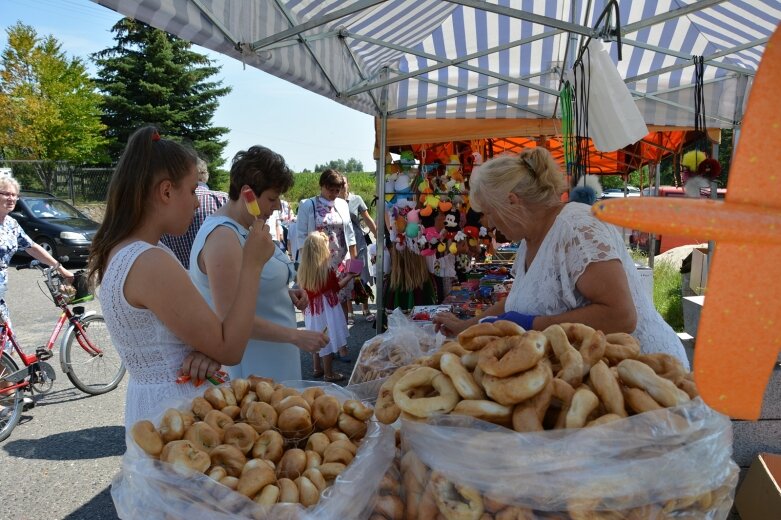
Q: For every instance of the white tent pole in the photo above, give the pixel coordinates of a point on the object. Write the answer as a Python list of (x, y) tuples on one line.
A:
[(380, 215), (652, 240)]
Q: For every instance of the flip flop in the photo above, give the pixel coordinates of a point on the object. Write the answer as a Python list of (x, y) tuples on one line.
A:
[(336, 376), (318, 375)]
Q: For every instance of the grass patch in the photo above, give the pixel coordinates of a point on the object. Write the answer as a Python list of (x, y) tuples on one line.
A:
[(307, 185), (667, 294)]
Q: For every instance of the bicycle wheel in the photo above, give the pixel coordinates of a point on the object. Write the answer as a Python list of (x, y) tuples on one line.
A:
[(10, 402), (90, 373)]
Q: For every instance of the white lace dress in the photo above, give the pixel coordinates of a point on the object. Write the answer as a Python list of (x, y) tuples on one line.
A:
[(575, 240), (152, 354)]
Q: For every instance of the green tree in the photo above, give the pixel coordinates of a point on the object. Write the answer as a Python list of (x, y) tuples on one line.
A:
[(49, 109), (152, 77), (351, 166)]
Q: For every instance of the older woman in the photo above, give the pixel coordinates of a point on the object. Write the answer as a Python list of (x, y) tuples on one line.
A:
[(570, 267), (215, 264), (330, 214)]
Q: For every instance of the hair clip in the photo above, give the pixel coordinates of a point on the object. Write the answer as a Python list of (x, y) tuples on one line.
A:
[(155, 136)]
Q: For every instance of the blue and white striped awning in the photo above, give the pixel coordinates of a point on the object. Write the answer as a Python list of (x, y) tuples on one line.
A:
[(475, 59)]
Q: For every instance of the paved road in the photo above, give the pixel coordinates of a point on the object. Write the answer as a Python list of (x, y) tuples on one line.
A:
[(59, 461)]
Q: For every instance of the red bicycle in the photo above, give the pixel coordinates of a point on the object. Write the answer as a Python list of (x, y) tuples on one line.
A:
[(87, 355)]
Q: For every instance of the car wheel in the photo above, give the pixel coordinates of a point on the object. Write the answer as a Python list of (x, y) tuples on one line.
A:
[(48, 245)]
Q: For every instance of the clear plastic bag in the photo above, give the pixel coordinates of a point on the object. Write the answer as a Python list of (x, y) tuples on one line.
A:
[(670, 462), (149, 489), (403, 343)]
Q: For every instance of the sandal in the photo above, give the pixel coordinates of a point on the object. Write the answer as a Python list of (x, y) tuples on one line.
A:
[(370, 317), (318, 374), (336, 376)]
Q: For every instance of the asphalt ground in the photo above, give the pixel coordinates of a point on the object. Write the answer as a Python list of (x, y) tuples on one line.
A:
[(60, 459)]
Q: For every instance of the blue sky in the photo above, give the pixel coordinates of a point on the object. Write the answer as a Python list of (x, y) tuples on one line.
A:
[(306, 128)]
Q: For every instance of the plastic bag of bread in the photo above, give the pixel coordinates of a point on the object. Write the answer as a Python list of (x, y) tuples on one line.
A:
[(403, 342), (322, 464), (671, 462)]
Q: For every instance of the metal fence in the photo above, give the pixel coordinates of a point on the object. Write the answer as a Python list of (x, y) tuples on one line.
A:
[(77, 183)]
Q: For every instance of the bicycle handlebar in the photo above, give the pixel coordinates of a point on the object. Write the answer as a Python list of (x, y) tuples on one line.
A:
[(37, 264)]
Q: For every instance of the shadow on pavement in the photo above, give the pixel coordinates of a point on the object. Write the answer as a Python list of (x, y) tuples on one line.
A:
[(90, 443), (101, 507)]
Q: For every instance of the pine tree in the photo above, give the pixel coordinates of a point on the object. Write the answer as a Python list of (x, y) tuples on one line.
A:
[(152, 77)]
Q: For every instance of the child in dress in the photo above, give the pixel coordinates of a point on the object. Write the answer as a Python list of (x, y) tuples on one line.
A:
[(324, 312)]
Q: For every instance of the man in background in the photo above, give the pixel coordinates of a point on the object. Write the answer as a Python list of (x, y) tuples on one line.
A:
[(210, 201)]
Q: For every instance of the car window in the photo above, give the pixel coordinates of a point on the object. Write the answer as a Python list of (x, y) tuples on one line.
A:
[(52, 209)]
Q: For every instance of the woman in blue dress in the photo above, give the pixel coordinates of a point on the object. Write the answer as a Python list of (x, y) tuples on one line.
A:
[(215, 260)]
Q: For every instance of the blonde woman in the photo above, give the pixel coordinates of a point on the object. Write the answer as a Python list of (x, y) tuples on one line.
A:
[(324, 311)]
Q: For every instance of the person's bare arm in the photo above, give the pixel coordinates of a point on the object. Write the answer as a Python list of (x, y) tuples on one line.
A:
[(611, 307), (369, 222)]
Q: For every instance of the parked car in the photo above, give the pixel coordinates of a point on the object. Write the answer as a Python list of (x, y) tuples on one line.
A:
[(613, 193), (58, 227)]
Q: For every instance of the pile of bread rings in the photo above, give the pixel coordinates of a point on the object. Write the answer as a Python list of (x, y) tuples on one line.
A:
[(383, 354), (270, 443), (567, 376)]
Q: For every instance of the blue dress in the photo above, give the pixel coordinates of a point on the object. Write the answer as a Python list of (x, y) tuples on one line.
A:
[(281, 361)]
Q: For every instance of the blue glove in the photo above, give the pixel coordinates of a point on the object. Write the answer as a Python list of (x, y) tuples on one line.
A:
[(524, 320)]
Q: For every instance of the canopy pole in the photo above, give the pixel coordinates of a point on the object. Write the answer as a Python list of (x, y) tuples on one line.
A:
[(380, 216), (652, 239)]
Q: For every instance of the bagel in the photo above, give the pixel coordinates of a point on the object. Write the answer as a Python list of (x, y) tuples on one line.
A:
[(471, 337), (288, 491), (514, 389), (462, 380), (688, 386), (337, 453), (292, 400), (639, 375), (444, 402), (335, 434), (254, 380), (312, 393), (292, 464), (318, 442), (295, 422), (217, 473), (280, 393), (331, 470), (528, 415), (665, 366), (269, 446), (264, 390), (570, 358), (250, 397), (228, 395), (241, 435), (255, 479), (485, 410), (639, 400), (357, 409), (240, 387), (308, 494), (325, 411), (201, 407), (147, 438), (456, 501), (313, 459), (510, 355), (230, 482), (590, 343), (620, 346), (583, 403), (215, 398), (385, 408), (261, 416), (232, 411), (348, 445), (604, 419), (219, 421), (183, 456), (202, 436), (606, 386), (268, 496), (470, 362), (229, 457), (352, 427), (314, 475), (188, 418)]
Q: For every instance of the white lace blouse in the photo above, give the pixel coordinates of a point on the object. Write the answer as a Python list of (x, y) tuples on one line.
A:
[(575, 240), (152, 354)]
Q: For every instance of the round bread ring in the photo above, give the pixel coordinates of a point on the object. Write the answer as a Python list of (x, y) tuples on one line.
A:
[(664, 365), (571, 360), (312, 393), (268, 496), (604, 419), (608, 389), (590, 343), (292, 464), (508, 328), (357, 409), (292, 400), (510, 355), (308, 494), (514, 389), (201, 407), (528, 415), (583, 403), (316, 477), (182, 454), (318, 442), (232, 411), (270, 446), (455, 501), (240, 387), (264, 390), (338, 453), (230, 397), (331, 470), (637, 374), (688, 386), (219, 421), (251, 397), (280, 393), (352, 427), (255, 479), (620, 346), (425, 406), (202, 436), (385, 408), (348, 445), (241, 435), (462, 380), (313, 459), (215, 398), (188, 418), (230, 482), (288, 491), (639, 400), (147, 438), (261, 416), (325, 411), (229, 457), (485, 410), (335, 434), (295, 423), (217, 473), (468, 336)]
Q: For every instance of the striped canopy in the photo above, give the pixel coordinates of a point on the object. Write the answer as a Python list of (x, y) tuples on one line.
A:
[(469, 59)]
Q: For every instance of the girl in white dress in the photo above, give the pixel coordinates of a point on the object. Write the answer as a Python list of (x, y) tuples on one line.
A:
[(324, 312), (159, 323)]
